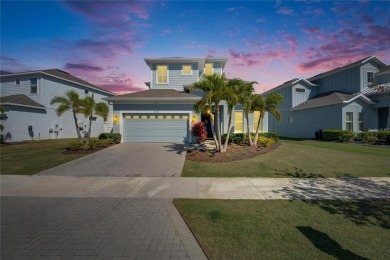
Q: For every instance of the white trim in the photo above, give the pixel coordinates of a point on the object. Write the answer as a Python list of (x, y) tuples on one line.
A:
[(305, 80), (159, 83), (369, 101), (21, 105), (192, 71), (121, 112)]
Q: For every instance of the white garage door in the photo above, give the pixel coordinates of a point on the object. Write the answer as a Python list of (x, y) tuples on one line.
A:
[(155, 128)]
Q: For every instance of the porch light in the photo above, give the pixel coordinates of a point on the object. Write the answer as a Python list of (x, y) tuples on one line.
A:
[(115, 119), (208, 111), (194, 119)]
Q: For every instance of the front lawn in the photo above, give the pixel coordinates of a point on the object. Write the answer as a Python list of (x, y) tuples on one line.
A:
[(302, 158), (29, 157), (281, 229)]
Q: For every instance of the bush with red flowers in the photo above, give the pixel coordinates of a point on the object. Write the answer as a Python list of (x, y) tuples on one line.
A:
[(199, 131)]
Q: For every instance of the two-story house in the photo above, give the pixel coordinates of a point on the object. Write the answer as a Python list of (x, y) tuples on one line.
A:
[(26, 98), (353, 97), (165, 112)]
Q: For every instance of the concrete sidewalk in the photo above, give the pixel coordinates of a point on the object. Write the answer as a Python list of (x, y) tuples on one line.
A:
[(195, 188)]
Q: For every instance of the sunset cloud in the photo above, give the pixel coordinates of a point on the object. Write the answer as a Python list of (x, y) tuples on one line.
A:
[(82, 66), (285, 11)]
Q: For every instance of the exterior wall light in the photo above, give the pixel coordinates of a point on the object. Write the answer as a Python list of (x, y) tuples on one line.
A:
[(208, 111), (115, 119), (194, 119)]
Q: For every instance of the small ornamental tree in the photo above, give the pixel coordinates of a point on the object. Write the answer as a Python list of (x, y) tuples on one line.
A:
[(199, 130)]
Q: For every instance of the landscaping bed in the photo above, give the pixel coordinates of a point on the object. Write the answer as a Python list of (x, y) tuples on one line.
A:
[(235, 152)]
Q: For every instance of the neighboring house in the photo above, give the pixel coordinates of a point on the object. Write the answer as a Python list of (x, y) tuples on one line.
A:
[(164, 113), (26, 97), (353, 97)]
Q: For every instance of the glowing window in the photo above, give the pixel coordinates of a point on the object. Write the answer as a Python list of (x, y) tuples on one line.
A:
[(127, 117), (160, 117), (185, 117), (256, 115), (208, 69), (162, 74), (168, 117), (238, 122), (152, 117), (144, 117), (186, 70), (135, 116)]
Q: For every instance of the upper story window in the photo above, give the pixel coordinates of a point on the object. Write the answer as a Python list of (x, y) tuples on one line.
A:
[(34, 86), (208, 69), (17, 82), (300, 90), (162, 74), (186, 70), (86, 91), (370, 77)]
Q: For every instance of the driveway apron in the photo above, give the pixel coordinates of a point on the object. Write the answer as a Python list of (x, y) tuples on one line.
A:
[(127, 160)]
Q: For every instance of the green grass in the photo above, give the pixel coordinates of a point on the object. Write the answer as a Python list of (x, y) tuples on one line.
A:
[(281, 229), (302, 158), (30, 157)]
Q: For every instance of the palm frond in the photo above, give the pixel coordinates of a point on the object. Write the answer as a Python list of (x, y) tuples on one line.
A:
[(102, 109)]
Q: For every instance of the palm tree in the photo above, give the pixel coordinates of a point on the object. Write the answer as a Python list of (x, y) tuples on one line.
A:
[(268, 104), (2, 110), (72, 102), (246, 90), (214, 88), (231, 96), (89, 107)]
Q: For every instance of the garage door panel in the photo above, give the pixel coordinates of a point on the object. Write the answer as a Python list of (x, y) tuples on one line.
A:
[(155, 128)]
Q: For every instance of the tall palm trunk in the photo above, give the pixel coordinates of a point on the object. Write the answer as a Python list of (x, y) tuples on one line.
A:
[(228, 133), (77, 127), (213, 132), (257, 129), (89, 130), (248, 129), (218, 128)]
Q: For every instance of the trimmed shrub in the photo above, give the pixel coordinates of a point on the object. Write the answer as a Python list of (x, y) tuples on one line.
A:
[(265, 141), (199, 131), (103, 136), (2, 139), (241, 138), (115, 137), (337, 135), (367, 137), (384, 136), (75, 146), (93, 145)]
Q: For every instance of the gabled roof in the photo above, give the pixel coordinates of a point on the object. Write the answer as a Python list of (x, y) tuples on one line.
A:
[(331, 98), (290, 83), (155, 95), (201, 61), (21, 101), (56, 73), (384, 70), (348, 66)]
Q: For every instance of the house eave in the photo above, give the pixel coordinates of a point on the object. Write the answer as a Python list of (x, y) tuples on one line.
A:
[(21, 105), (146, 100)]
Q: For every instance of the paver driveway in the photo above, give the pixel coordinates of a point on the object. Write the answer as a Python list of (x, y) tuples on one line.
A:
[(127, 160)]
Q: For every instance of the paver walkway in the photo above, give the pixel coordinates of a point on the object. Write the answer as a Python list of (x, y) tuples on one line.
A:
[(196, 188)]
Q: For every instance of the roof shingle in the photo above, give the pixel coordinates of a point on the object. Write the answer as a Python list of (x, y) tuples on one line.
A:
[(325, 99), (21, 100)]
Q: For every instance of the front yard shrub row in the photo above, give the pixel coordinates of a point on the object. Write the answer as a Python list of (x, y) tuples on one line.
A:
[(266, 141), (93, 145), (349, 136), (116, 137), (241, 138)]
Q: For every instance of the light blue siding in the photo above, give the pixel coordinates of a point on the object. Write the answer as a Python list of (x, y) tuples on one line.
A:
[(347, 81), (371, 115), (175, 78), (364, 69), (382, 79), (19, 118)]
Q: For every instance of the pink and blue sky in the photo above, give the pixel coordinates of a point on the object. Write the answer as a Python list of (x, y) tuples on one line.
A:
[(104, 42)]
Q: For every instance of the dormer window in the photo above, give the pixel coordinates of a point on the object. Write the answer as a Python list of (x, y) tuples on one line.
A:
[(370, 77), (300, 90), (162, 74), (17, 82), (186, 70), (208, 69)]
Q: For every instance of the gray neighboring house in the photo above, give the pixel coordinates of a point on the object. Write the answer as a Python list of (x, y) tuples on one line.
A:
[(28, 115), (353, 97), (164, 112)]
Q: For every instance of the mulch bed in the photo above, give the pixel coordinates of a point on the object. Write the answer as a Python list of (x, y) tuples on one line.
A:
[(234, 153)]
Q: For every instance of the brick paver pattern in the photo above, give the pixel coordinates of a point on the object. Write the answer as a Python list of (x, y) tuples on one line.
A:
[(96, 228)]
